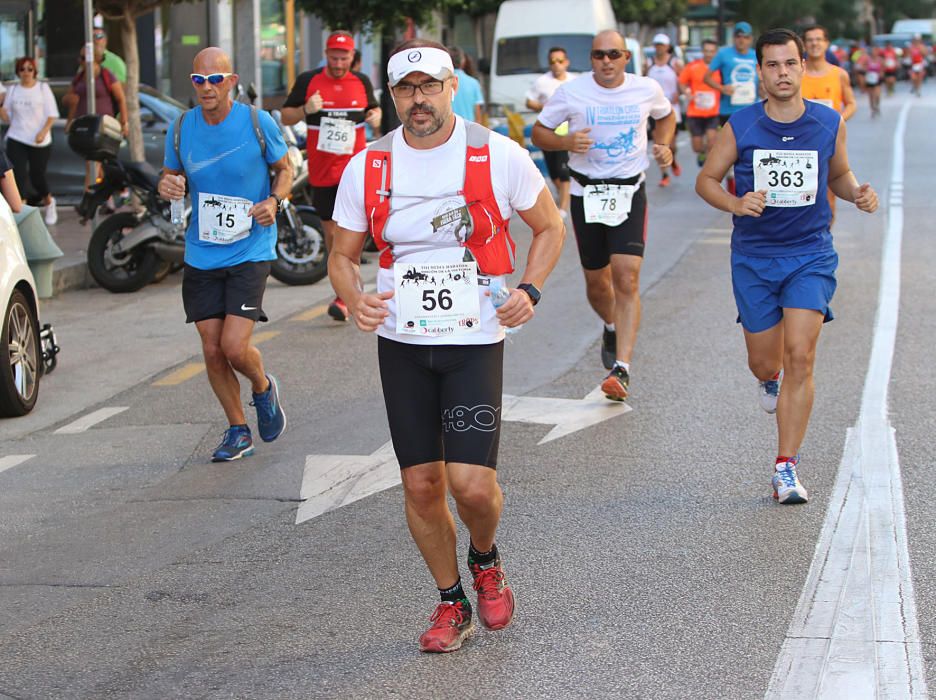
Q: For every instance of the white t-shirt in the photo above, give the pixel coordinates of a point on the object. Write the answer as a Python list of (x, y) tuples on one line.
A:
[(617, 118), (545, 86), (29, 109), (425, 186)]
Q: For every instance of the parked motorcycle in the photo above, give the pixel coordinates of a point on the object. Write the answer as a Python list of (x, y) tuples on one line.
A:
[(130, 249)]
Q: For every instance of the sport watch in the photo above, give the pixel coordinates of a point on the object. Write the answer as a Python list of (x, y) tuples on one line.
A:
[(531, 291), (279, 201)]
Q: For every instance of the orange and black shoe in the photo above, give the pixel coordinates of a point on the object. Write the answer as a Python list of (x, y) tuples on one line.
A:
[(495, 599), (338, 310), (665, 181), (677, 171), (616, 384), (451, 625)]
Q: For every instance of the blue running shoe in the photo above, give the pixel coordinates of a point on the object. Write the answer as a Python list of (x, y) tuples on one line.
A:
[(769, 392), (235, 444), (786, 485), (271, 421)]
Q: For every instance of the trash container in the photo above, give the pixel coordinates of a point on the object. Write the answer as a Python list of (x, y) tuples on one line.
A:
[(41, 250)]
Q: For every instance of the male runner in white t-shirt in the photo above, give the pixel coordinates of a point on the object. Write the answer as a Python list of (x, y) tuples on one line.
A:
[(436, 194), (607, 112)]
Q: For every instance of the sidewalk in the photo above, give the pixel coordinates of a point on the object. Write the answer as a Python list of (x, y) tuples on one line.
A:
[(71, 270)]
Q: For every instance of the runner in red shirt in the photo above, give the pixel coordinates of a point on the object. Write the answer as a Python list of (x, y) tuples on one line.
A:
[(891, 64), (335, 102), (702, 113), (917, 53)]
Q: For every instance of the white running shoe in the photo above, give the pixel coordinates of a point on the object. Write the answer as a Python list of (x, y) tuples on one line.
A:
[(786, 485), (51, 213), (769, 392)]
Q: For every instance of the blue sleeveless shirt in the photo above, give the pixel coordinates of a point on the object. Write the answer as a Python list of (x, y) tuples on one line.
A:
[(792, 162)]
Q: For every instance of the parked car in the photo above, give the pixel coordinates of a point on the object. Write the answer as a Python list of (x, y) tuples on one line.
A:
[(29, 349), (66, 168)]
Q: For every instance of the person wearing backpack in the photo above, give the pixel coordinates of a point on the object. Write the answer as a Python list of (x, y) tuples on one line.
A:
[(224, 153), (29, 108)]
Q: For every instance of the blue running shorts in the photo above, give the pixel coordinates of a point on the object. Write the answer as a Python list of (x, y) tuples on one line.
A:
[(764, 287)]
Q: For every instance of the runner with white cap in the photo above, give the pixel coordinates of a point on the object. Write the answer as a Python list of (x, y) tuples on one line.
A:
[(665, 68), (437, 195)]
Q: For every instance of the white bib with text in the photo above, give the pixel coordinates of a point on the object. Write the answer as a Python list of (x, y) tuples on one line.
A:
[(791, 178), (437, 299), (608, 204), (744, 93), (704, 100), (223, 219), (336, 136)]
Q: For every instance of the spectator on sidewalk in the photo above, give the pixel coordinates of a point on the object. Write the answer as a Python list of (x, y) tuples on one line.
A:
[(30, 110), (469, 99), (111, 61)]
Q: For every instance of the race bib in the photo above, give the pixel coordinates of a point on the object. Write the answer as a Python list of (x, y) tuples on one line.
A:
[(223, 219), (704, 100), (872, 77), (336, 136), (823, 101), (437, 299), (608, 204), (890, 63), (744, 93), (917, 68), (791, 178)]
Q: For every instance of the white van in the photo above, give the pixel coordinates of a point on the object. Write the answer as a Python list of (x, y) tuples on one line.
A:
[(525, 31), (926, 28)]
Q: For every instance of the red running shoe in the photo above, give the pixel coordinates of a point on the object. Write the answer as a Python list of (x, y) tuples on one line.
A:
[(665, 181), (338, 310), (451, 625), (677, 171), (495, 599)]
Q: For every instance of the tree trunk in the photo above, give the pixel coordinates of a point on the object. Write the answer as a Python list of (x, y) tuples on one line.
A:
[(132, 88)]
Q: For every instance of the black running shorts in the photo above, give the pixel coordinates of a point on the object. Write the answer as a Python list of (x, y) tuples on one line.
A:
[(324, 200), (699, 125), (227, 291), (598, 242), (443, 401), (557, 163)]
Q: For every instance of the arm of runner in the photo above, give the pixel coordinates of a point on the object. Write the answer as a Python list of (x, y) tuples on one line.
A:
[(548, 234), (534, 105), (293, 109), (549, 140), (708, 184), (842, 180), (709, 80), (264, 212), (848, 96), (368, 310), (664, 133)]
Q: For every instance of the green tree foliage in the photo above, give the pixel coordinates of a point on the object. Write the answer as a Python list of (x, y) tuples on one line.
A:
[(385, 16), (649, 12)]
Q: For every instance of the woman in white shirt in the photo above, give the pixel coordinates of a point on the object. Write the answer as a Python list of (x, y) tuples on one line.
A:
[(30, 109)]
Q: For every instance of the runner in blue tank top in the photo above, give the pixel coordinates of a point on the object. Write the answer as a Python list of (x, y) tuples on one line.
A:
[(785, 153)]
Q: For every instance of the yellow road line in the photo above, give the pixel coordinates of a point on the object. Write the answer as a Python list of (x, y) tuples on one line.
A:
[(193, 369), (310, 314)]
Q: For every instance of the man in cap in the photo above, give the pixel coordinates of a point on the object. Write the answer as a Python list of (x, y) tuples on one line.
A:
[(336, 103), (439, 311), (664, 67)]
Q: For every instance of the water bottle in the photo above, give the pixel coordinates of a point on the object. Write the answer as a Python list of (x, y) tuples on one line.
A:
[(499, 295), (177, 211)]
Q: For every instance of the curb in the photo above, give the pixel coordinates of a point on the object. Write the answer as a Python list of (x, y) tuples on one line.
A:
[(71, 272)]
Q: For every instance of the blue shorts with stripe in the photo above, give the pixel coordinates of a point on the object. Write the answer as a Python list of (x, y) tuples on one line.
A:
[(764, 287)]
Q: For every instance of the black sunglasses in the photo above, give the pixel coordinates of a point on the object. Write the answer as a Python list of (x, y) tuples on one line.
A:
[(613, 54)]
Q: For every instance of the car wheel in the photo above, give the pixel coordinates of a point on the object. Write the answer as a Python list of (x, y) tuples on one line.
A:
[(20, 363)]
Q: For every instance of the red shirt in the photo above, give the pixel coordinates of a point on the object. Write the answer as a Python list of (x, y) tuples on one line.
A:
[(347, 98), (692, 76)]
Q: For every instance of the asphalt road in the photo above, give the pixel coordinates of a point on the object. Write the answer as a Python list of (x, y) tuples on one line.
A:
[(646, 554)]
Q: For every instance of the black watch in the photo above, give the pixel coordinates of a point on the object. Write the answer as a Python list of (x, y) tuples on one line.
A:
[(531, 291), (279, 201)]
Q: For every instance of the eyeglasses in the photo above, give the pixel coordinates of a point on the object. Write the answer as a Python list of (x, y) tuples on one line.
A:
[(214, 78), (430, 87), (554, 61), (613, 54), (100, 35)]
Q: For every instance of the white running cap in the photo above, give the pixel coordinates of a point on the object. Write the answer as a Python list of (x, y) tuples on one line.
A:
[(661, 38), (423, 59)]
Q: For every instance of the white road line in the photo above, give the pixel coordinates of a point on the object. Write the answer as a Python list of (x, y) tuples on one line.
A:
[(854, 633), (92, 419), (11, 461)]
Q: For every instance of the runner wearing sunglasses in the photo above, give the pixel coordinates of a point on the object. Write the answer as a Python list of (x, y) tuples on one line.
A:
[(607, 111), (230, 240)]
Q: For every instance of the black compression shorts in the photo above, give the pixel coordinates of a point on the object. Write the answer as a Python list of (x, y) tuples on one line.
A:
[(443, 401), (227, 291), (597, 242), (324, 200), (557, 163)]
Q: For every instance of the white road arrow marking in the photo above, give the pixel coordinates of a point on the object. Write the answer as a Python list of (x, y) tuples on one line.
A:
[(90, 420), (333, 481)]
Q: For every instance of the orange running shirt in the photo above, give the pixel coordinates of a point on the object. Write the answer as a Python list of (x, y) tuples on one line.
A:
[(825, 89), (704, 102)]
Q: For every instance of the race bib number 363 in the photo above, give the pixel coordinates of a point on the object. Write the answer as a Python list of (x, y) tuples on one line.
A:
[(791, 178), (437, 299)]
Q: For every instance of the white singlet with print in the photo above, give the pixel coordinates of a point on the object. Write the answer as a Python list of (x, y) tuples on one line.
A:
[(424, 225)]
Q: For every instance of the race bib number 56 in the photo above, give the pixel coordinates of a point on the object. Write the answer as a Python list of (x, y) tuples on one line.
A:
[(791, 178), (437, 299)]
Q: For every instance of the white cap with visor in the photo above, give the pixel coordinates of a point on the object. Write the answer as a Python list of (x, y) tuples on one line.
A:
[(424, 59)]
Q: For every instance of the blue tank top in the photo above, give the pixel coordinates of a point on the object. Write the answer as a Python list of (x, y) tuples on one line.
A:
[(790, 161)]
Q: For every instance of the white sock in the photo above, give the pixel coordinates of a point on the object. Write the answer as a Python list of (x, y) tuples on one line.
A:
[(625, 365), (609, 327)]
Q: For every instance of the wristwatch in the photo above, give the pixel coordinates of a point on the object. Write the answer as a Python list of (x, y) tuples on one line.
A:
[(531, 291), (280, 203)]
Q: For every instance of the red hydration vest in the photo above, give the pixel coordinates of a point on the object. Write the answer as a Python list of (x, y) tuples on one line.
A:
[(488, 241)]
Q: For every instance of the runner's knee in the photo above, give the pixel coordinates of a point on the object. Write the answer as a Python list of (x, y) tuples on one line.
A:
[(423, 491)]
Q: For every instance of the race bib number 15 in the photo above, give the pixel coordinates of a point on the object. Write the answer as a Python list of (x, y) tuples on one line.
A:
[(791, 178)]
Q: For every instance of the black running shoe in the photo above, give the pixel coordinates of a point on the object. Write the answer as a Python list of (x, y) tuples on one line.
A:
[(608, 348)]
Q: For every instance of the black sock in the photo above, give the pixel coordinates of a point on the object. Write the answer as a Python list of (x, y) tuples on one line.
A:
[(481, 558), (455, 594)]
